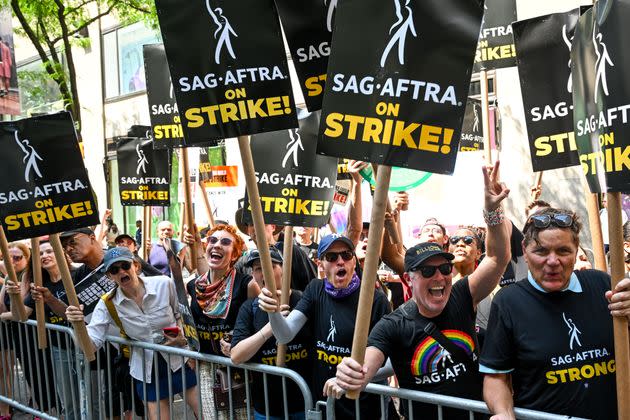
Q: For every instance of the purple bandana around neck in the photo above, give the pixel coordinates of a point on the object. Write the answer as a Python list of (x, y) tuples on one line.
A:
[(355, 282)]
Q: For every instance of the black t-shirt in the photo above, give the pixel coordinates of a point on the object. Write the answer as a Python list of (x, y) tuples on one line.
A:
[(212, 329), (420, 362), (250, 320), (58, 291), (310, 250), (332, 324), (560, 346), (302, 268)]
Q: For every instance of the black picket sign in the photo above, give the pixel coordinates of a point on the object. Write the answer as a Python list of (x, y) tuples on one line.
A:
[(308, 26), (384, 102), (543, 46), (471, 139), (228, 66), (143, 172), (296, 185), (165, 120), (44, 187), (495, 49), (601, 95)]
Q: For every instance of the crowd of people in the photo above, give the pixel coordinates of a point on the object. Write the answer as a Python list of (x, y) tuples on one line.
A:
[(513, 316)]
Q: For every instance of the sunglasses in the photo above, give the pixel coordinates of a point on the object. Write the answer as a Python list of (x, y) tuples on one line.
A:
[(468, 239), (429, 270), (542, 221), (17, 257), (114, 269), (333, 256), (223, 241)]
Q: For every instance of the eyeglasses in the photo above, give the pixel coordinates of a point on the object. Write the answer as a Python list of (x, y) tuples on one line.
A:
[(429, 270), (17, 258), (333, 256), (468, 239), (542, 221), (114, 269), (223, 241)]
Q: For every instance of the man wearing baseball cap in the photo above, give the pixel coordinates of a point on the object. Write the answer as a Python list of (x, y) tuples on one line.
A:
[(253, 342), (331, 306), (130, 243), (431, 339)]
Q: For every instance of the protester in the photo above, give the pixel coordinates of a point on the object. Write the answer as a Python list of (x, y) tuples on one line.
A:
[(144, 306), (138, 233), (302, 268), (36, 364), (549, 344), (216, 297), (582, 260), (253, 342), (61, 349), (331, 306), (420, 337), (157, 251), (466, 246), (304, 238)]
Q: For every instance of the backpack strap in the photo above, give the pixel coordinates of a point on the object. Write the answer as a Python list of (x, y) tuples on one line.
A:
[(108, 299)]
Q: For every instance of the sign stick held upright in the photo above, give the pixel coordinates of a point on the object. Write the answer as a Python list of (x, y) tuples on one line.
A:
[(42, 342), (257, 213), (79, 327), (189, 217), (366, 295), (287, 256)]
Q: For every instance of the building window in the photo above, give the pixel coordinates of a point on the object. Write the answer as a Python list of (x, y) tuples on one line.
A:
[(39, 94), (122, 55)]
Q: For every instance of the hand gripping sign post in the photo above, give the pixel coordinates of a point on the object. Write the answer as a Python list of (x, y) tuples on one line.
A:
[(49, 191), (384, 105), (601, 99), (42, 342)]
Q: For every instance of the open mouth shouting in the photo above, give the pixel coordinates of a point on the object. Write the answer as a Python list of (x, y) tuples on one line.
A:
[(437, 291)]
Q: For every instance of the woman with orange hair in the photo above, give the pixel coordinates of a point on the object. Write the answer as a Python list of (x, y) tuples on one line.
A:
[(216, 297)]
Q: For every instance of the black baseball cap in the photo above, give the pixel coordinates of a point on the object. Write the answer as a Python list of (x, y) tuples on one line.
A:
[(255, 255), (124, 235), (421, 252), (71, 233)]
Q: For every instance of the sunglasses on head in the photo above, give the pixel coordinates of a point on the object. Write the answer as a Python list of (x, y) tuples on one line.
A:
[(468, 239), (223, 241), (429, 270), (17, 257), (114, 269), (333, 256), (542, 221)]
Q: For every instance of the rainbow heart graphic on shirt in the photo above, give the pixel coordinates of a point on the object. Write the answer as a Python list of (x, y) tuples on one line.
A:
[(429, 354)]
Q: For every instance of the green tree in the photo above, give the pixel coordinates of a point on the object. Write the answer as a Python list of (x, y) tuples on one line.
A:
[(55, 26)]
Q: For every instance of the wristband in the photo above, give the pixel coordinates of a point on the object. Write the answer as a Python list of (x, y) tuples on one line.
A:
[(493, 217)]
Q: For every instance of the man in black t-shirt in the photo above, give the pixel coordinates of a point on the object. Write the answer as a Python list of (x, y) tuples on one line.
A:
[(431, 339), (549, 344), (330, 306), (253, 342)]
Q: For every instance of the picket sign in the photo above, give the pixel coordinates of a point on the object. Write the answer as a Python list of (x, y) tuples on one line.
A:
[(189, 216), (17, 305), (287, 256), (370, 267), (206, 203), (42, 342), (79, 326), (620, 324), (257, 213)]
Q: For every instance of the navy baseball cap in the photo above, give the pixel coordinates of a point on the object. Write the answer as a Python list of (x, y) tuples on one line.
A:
[(254, 255), (328, 240), (421, 252), (113, 255)]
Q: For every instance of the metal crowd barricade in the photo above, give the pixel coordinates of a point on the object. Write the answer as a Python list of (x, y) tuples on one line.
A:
[(407, 396)]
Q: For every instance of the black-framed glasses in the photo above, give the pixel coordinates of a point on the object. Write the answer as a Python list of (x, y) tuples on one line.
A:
[(225, 241), (114, 269), (468, 239), (429, 270), (334, 256), (542, 221)]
